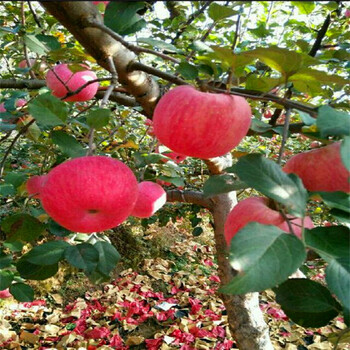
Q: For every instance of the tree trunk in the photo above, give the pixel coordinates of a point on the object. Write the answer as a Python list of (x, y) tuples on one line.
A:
[(245, 317)]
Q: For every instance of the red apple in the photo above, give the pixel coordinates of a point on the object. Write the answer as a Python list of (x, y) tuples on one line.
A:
[(99, 2), (73, 81), (4, 294), (320, 169), (90, 194), (255, 209), (2, 107), (35, 184), (151, 198), (201, 124), (23, 64)]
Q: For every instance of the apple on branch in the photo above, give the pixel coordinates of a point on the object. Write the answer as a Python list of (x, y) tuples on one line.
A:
[(89, 194), (321, 169), (151, 197), (201, 124), (61, 78), (255, 209)]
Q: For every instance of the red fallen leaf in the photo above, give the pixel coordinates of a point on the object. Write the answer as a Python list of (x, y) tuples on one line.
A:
[(219, 332), (182, 337), (153, 344), (164, 315), (91, 347), (95, 304), (195, 305), (225, 345), (215, 278), (34, 303), (200, 332), (98, 333), (277, 313), (117, 315), (212, 315), (208, 262), (187, 347), (116, 341), (37, 331)]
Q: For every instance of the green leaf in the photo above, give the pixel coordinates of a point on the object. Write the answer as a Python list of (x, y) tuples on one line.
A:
[(108, 257), (31, 271), (329, 242), (5, 260), (48, 253), (15, 246), (264, 84), (122, 17), (6, 278), (217, 12), (22, 292), (177, 181), (332, 122), (306, 118), (48, 110), (197, 231), (218, 184), (306, 302), (282, 60), (98, 118), (338, 200), (58, 230), (49, 41), (97, 277), (259, 126), (83, 256), (7, 190), (338, 279), (158, 43), (267, 177), (304, 7), (345, 152), (15, 179), (34, 44), (264, 256), (187, 70), (340, 215), (67, 144), (22, 227)]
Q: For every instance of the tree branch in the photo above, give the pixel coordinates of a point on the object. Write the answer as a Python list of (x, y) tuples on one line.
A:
[(190, 197), (320, 35)]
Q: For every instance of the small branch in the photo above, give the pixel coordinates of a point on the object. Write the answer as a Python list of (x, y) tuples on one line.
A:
[(75, 92), (190, 197), (278, 111), (284, 136), (91, 148), (190, 20), (150, 70), (131, 47), (320, 35), (235, 39), (36, 19), (20, 132)]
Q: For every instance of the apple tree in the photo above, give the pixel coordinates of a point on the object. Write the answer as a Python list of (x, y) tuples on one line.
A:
[(202, 98)]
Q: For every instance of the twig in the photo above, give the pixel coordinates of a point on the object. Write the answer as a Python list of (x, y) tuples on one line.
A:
[(131, 47), (36, 19), (190, 20), (150, 70), (31, 73), (85, 109), (238, 22), (91, 148), (284, 136), (20, 132), (341, 333), (75, 92), (320, 35)]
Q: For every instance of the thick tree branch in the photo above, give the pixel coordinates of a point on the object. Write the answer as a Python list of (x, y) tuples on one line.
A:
[(190, 197)]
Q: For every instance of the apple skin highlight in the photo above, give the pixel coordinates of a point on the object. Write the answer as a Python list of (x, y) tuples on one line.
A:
[(201, 124), (151, 198), (90, 194), (255, 209), (73, 81), (321, 169)]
